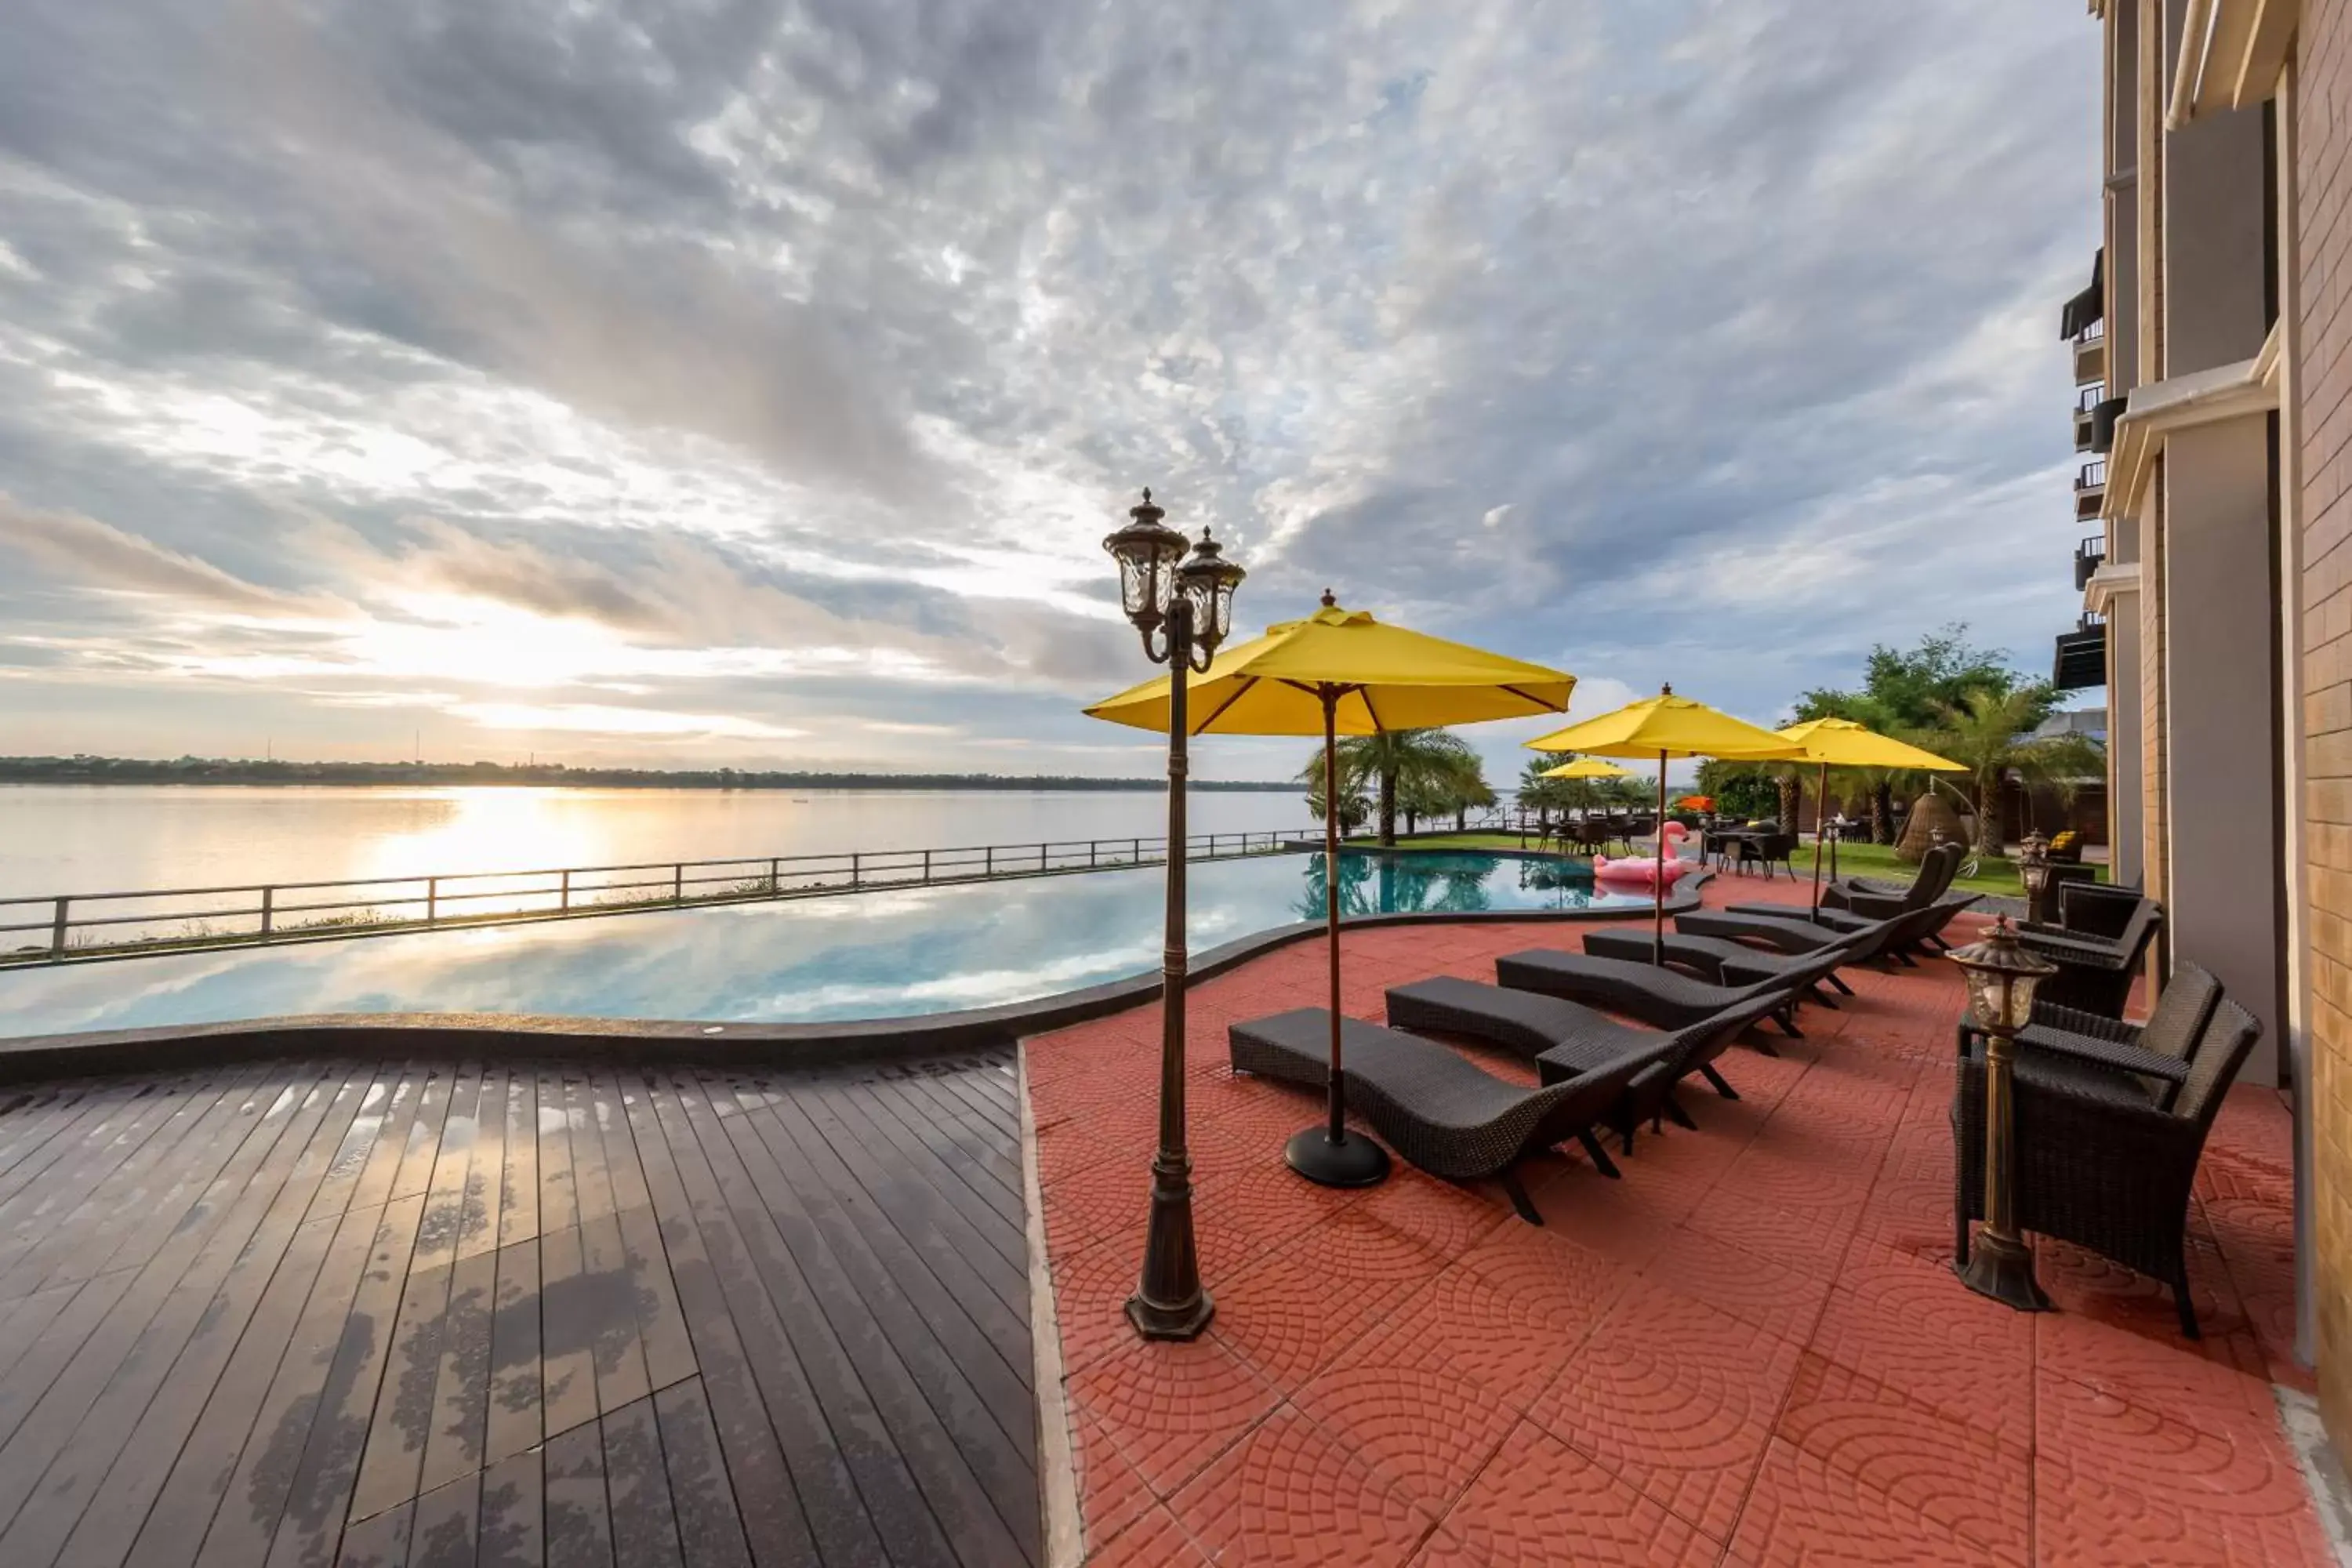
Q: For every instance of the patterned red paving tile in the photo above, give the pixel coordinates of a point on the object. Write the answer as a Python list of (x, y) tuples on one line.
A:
[(1802, 1511), (1288, 1319), (1172, 1408), (1773, 1293), (1539, 1502), (1112, 1494), (1435, 1318), (1960, 1479), (1674, 1398), (1156, 1541), (1291, 1493), (1425, 1430), (1914, 1327), (1465, 1326)]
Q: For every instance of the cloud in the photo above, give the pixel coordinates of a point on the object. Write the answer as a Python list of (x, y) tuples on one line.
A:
[(788, 359)]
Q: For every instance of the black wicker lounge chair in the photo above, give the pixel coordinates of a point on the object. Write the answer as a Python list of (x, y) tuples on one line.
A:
[(2100, 1162), (1664, 998), (1444, 1112), (1721, 961), (2094, 973), (1563, 1038), (1879, 900), (1921, 927)]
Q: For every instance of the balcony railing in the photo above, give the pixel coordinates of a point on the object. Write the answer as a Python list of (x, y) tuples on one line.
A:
[(2089, 398), (70, 926), (2095, 333), (2092, 476), (2089, 556)]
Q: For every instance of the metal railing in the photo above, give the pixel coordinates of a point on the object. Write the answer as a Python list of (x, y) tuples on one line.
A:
[(2089, 556), (2088, 397), (2095, 333), (70, 927), (2091, 475)]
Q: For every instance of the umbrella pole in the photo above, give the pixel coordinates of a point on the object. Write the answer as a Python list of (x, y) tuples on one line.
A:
[(1820, 826), (1658, 879), (1327, 1155)]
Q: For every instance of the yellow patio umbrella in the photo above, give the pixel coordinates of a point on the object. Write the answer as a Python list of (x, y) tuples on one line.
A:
[(1666, 727), (1586, 768), (1843, 744), (1341, 672)]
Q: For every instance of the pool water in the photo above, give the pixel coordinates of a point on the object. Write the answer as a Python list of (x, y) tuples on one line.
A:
[(862, 955)]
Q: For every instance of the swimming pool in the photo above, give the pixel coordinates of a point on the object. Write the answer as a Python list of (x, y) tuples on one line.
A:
[(885, 953)]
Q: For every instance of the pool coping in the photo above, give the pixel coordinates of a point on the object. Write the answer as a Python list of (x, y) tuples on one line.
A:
[(546, 1036)]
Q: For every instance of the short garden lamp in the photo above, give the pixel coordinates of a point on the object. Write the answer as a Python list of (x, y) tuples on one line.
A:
[(1183, 610), (2001, 978), (2033, 870)]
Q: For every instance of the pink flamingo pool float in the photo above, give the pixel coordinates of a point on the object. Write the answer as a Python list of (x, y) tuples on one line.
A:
[(1644, 871)]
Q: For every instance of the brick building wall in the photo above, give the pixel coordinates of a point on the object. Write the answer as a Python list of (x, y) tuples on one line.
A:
[(2322, 128)]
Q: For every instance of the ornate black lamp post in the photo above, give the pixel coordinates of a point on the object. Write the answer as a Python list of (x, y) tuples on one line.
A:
[(2002, 977), (1183, 609), (2033, 870)]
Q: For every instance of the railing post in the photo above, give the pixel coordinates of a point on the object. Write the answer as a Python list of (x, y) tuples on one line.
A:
[(58, 929), (432, 899), (1090, 852), (1135, 850), (926, 865), (987, 863), (775, 875), (563, 902), (856, 872), (1041, 850), (269, 898), (677, 883)]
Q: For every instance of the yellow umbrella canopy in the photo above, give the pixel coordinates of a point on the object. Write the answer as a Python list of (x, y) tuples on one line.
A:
[(1341, 672), (1586, 768), (1843, 744), (1665, 727), (1377, 677)]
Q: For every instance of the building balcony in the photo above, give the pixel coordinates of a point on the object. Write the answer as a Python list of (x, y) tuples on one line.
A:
[(2082, 658), (2089, 308), (2086, 404), (2089, 556), (2090, 354), (2090, 487)]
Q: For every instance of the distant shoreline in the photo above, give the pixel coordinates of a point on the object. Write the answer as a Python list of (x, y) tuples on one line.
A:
[(102, 771)]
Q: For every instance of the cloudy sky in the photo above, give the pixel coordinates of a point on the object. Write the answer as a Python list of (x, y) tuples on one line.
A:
[(752, 381)]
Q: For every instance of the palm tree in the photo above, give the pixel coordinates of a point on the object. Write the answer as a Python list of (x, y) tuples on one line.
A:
[(1354, 811), (1420, 760), (1546, 796), (1988, 732)]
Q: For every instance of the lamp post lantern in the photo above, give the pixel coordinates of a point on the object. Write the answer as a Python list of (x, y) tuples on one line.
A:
[(2001, 979), (2033, 870), (1182, 610)]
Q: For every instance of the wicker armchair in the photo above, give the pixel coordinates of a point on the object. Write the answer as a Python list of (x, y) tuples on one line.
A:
[(2100, 1161), (2171, 1032), (2094, 973)]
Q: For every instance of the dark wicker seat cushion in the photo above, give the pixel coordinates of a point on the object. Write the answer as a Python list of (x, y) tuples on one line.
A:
[(1665, 997)]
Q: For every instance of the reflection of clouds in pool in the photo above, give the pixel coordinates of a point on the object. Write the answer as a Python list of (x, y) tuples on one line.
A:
[(861, 955)]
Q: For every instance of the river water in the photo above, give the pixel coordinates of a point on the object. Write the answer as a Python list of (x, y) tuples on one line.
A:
[(92, 839)]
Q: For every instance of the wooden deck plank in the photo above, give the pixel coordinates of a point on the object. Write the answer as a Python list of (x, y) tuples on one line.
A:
[(182, 1347), (478, 1223), (842, 1465), (766, 1497), (645, 1525), (567, 1334), (229, 1482), (514, 1527), (709, 1530), (519, 1181), (579, 1521), (456, 1436), (610, 1301), (514, 1422), (319, 1497), (948, 1504), (379, 1542), (307, 1313), (938, 1380), (444, 1535)]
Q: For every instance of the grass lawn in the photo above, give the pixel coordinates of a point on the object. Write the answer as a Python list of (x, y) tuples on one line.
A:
[(1993, 876)]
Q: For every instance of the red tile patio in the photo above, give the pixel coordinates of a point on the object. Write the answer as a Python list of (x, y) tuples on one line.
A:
[(1751, 1350)]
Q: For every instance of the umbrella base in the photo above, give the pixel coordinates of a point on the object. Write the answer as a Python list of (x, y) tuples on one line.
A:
[(1353, 1162)]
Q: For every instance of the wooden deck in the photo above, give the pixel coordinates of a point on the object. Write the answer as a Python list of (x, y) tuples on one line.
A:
[(433, 1312)]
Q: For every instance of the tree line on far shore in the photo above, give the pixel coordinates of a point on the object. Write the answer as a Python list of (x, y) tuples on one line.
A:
[(89, 769)]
